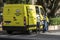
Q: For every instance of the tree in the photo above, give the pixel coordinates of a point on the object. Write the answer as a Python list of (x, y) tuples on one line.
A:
[(1, 4), (49, 5)]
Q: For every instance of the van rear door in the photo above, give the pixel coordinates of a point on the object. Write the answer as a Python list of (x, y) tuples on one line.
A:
[(13, 15), (31, 15)]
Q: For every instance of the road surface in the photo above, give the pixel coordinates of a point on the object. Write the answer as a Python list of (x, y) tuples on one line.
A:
[(4, 36)]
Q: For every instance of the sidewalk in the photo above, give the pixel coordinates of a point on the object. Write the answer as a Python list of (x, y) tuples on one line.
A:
[(55, 32)]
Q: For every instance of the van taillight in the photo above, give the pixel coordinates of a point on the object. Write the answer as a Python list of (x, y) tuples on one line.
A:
[(24, 20)]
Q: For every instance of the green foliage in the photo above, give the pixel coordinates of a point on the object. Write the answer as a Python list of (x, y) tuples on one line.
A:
[(55, 21)]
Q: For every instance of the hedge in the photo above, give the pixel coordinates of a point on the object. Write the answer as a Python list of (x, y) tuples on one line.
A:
[(55, 21)]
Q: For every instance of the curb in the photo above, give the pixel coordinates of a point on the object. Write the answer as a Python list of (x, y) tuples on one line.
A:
[(51, 33)]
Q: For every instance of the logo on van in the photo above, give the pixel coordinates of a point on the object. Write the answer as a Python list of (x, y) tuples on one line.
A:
[(17, 14), (17, 10)]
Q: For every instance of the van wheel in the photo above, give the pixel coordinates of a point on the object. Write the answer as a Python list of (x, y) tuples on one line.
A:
[(35, 31), (9, 32), (30, 32)]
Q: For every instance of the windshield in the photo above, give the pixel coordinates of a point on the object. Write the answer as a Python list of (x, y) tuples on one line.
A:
[(18, 1), (42, 11)]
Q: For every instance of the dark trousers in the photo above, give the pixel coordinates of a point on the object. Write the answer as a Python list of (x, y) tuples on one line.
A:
[(38, 24)]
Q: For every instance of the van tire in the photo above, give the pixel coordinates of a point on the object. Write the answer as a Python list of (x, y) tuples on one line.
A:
[(9, 32), (29, 31)]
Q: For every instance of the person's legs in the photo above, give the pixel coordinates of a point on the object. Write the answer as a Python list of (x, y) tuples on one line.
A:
[(46, 26), (38, 25)]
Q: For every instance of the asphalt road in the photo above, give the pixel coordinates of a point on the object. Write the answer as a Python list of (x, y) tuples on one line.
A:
[(4, 36)]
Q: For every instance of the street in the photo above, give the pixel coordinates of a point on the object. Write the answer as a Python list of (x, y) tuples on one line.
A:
[(29, 37)]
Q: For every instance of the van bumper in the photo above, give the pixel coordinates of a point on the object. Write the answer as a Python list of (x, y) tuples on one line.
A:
[(18, 28), (14, 28)]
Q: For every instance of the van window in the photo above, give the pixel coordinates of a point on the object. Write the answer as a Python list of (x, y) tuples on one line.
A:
[(37, 10), (42, 11)]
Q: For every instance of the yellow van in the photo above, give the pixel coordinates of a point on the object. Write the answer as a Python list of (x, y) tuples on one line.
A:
[(19, 17)]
